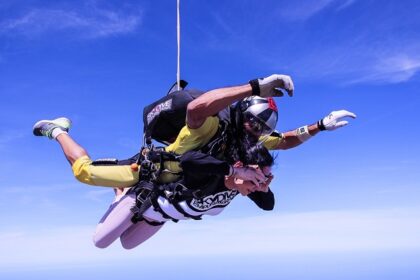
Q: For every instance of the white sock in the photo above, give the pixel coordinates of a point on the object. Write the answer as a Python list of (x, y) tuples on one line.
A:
[(57, 131)]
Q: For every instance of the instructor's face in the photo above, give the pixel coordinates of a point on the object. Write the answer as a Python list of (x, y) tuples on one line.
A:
[(251, 134), (252, 128)]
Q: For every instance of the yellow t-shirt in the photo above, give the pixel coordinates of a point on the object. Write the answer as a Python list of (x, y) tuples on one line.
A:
[(271, 142), (190, 139)]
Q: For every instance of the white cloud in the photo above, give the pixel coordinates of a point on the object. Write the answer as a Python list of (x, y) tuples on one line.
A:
[(370, 53), (313, 232), (394, 69), (91, 22), (329, 231), (356, 62)]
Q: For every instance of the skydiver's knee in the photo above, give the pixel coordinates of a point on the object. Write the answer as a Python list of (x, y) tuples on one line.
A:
[(101, 243), (127, 243), (81, 170)]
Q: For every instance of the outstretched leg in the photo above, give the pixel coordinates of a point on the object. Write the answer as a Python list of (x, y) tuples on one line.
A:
[(57, 129), (71, 149), (81, 163)]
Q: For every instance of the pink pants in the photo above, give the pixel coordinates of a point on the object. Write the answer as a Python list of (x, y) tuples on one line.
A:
[(116, 223)]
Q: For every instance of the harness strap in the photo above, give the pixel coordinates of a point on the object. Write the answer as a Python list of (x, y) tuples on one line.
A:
[(217, 144), (157, 208), (105, 161), (153, 223), (178, 192), (147, 191), (144, 196), (158, 154), (182, 211)]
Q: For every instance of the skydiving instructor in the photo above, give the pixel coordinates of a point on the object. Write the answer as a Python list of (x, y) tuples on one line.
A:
[(247, 121)]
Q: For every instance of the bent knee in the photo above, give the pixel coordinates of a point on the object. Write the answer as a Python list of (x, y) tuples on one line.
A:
[(127, 243), (81, 170), (128, 246), (101, 243)]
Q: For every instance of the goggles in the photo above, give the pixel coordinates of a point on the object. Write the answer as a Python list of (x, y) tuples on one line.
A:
[(257, 126)]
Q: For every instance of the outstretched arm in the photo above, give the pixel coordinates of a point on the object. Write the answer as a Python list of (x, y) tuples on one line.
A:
[(294, 138), (216, 100)]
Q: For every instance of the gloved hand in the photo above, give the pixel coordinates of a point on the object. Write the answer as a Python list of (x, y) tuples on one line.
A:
[(272, 85), (334, 120)]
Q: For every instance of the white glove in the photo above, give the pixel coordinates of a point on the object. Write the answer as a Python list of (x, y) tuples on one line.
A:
[(334, 120), (272, 85)]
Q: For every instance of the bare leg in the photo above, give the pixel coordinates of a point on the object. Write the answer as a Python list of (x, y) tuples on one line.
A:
[(71, 149), (58, 129), (83, 169)]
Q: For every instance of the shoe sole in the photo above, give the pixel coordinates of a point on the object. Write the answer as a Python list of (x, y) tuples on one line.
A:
[(58, 121)]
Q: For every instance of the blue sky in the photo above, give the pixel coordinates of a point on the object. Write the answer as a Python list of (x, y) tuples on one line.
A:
[(347, 202)]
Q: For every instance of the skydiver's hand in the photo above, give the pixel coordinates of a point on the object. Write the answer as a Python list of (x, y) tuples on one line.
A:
[(244, 187), (256, 176), (272, 86), (247, 187), (263, 187), (334, 120)]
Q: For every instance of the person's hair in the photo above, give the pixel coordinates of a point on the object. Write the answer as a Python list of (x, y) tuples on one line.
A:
[(258, 155), (239, 142)]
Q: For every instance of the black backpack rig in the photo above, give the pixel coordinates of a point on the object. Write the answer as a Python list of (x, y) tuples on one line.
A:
[(162, 120)]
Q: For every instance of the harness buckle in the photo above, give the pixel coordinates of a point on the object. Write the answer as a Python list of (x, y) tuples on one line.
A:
[(144, 192), (143, 195)]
